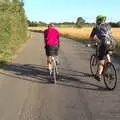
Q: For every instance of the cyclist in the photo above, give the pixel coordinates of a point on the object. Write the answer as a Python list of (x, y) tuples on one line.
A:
[(51, 40), (103, 32)]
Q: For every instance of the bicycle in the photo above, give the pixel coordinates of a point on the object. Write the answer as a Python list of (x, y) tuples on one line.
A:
[(109, 72), (55, 74)]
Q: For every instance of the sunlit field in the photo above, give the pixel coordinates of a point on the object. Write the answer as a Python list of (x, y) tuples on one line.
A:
[(79, 33)]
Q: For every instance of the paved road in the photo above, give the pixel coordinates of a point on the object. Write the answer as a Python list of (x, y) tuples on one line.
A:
[(26, 95)]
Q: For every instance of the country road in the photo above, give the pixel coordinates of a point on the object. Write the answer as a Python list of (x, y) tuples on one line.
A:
[(26, 95)]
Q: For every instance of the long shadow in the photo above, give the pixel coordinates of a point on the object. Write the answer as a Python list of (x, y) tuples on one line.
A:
[(67, 78), (27, 70), (38, 31), (76, 73), (40, 75)]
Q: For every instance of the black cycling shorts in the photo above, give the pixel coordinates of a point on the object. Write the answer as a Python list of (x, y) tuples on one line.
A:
[(103, 51), (52, 50)]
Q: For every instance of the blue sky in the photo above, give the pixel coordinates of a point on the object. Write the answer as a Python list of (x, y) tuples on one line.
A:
[(69, 10)]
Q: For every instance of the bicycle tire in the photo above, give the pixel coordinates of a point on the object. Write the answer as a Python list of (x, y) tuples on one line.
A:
[(55, 74), (93, 64), (54, 71), (108, 76)]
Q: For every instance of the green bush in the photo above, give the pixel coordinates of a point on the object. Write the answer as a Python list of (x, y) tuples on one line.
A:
[(13, 27)]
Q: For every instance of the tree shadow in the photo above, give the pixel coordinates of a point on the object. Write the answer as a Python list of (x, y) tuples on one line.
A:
[(40, 74), (27, 72), (37, 31)]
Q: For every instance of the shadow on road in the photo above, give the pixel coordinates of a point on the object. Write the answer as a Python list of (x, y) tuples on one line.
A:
[(32, 73), (39, 74)]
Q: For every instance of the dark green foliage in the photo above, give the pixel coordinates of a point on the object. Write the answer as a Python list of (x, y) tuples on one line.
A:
[(80, 22), (13, 27), (115, 24), (36, 24)]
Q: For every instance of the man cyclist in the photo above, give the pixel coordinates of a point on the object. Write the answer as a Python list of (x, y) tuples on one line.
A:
[(103, 32), (51, 40)]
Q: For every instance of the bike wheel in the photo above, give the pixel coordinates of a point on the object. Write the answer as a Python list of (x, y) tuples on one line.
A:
[(110, 76), (93, 64), (52, 78), (55, 73)]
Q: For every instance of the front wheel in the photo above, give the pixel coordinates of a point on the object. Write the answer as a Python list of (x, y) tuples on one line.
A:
[(93, 64), (110, 76)]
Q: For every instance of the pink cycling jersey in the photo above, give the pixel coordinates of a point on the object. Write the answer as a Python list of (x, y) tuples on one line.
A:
[(51, 36)]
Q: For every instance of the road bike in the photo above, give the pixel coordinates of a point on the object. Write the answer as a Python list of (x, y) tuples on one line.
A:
[(54, 76), (109, 71)]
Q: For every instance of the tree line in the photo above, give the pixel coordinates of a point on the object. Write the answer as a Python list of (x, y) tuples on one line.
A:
[(80, 22)]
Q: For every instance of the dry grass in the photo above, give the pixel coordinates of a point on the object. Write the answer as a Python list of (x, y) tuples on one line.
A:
[(116, 33), (80, 33)]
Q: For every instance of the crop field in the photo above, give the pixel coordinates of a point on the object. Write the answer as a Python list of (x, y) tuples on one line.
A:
[(79, 33)]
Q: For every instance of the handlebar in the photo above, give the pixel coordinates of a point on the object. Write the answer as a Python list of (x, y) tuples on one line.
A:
[(94, 43)]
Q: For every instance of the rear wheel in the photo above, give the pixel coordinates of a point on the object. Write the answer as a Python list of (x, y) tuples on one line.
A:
[(93, 64), (54, 74), (110, 76)]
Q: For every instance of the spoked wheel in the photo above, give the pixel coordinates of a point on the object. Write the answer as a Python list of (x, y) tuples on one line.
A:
[(54, 76), (93, 64), (110, 76), (55, 71)]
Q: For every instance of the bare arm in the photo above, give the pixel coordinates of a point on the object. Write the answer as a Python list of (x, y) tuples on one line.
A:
[(92, 34), (45, 37)]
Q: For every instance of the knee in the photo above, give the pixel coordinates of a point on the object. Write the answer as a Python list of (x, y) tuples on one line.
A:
[(49, 61)]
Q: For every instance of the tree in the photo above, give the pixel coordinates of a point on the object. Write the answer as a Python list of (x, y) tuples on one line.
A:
[(16, 1), (22, 2), (115, 24), (118, 24), (80, 21), (1, 1)]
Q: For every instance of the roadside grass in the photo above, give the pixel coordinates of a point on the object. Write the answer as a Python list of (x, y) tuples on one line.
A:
[(11, 49), (13, 29)]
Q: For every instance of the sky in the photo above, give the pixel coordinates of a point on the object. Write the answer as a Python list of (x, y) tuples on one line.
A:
[(69, 10)]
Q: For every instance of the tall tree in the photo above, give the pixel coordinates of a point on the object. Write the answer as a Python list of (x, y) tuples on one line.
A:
[(80, 21)]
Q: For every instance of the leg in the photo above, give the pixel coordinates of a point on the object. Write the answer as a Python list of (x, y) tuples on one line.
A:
[(101, 62), (56, 49), (102, 54), (100, 67), (49, 63), (48, 54), (108, 58), (99, 70)]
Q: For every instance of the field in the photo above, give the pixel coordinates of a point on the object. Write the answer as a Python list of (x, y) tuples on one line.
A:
[(79, 33)]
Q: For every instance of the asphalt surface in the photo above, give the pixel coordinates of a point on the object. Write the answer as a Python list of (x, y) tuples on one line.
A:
[(26, 95)]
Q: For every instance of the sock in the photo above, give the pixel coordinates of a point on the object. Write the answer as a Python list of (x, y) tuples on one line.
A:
[(50, 69)]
